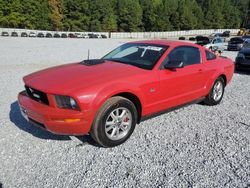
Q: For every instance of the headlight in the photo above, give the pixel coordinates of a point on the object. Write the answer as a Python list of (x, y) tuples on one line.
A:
[(240, 45), (241, 55), (66, 102)]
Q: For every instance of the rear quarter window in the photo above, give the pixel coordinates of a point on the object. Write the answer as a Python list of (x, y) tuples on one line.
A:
[(210, 56)]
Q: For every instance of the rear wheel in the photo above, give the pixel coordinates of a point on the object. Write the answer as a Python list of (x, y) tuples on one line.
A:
[(216, 93), (114, 122)]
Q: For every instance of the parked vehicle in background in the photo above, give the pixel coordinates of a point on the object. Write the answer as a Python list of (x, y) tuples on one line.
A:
[(235, 43), (226, 34), (24, 34), (71, 35), (182, 38), (243, 32), (215, 35), (40, 35), (191, 39), (221, 35), (246, 37), (64, 35), (14, 34), (57, 35), (32, 34), (5, 34), (91, 35), (104, 36), (216, 44), (97, 36), (85, 36), (48, 35), (78, 35), (242, 61), (202, 40), (107, 97)]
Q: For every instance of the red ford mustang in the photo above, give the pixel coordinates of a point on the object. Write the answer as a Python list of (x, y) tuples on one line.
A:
[(107, 97)]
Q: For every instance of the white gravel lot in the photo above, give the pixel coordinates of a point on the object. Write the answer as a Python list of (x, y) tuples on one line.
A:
[(196, 146)]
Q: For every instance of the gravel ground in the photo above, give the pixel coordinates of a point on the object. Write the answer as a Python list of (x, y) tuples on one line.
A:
[(196, 146)]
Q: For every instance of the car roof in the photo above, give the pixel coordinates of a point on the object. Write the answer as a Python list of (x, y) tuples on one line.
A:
[(171, 43)]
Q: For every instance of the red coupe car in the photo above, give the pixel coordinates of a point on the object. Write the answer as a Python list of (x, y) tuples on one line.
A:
[(107, 97)]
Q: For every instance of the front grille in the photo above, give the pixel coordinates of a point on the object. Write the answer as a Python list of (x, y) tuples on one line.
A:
[(37, 95), (233, 47)]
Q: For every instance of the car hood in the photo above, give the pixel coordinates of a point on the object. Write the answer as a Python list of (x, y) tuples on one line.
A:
[(67, 78)]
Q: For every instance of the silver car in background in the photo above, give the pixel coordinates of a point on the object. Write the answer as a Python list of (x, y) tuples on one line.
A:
[(216, 44)]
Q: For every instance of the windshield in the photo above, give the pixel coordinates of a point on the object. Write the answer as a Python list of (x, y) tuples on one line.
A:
[(246, 44), (141, 55), (236, 39)]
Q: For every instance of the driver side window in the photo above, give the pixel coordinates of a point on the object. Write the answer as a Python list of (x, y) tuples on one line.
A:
[(186, 54)]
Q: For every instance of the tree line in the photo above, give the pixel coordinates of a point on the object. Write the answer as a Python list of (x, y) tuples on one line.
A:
[(124, 15)]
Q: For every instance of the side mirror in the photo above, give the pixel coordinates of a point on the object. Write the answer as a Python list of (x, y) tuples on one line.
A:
[(174, 65)]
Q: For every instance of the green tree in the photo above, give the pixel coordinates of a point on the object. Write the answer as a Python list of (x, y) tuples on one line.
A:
[(129, 13), (56, 14), (163, 12), (231, 15), (76, 15), (36, 14), (213, 15), (244, 7), (151, 13), (124, 15), (102, 15)]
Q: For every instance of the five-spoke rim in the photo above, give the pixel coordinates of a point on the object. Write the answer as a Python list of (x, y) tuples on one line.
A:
[(218, 90), (118, 123)]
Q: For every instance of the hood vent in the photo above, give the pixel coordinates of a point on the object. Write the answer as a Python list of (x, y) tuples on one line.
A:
[(91, 62)]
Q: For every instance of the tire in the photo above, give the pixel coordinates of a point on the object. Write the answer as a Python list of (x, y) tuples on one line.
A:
[(108, 129), (216, 93)]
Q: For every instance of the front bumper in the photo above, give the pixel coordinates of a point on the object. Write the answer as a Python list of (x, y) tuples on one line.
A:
[(55, 120)]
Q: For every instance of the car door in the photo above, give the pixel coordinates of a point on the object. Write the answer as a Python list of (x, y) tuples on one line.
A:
[(182, 85)]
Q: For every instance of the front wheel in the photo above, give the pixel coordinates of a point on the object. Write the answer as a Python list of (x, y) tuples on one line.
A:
[(114, 122), (216, 93)]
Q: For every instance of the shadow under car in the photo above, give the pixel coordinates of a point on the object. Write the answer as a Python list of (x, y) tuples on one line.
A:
[(17, 118)]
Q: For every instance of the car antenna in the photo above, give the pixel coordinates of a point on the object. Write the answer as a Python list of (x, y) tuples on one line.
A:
[(88, 53)]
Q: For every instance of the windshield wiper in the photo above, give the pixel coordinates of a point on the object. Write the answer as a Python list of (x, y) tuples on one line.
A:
[(118, 61), (134, 64)]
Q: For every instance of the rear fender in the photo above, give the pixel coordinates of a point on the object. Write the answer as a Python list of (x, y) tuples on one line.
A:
[(213, 78)]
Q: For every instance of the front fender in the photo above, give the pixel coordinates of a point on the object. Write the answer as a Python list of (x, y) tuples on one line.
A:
[(92, 101), (107, 92)]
